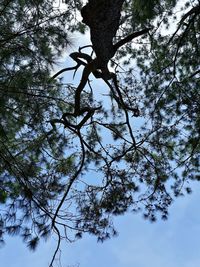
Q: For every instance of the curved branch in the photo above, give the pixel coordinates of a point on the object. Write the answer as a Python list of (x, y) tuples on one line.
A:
[(73, 178), (57, 247), (129, 38)]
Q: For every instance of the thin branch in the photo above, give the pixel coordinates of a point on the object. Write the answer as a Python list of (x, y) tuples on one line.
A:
[(57, 247), (195, 10), (73, 178)]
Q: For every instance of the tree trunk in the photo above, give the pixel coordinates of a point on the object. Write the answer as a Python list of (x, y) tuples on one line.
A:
[(103, 18)]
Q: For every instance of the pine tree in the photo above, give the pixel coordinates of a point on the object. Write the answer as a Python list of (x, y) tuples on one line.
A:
[(70, 160)]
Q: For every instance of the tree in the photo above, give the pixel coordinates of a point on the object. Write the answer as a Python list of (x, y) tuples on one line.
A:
[(53, 134)]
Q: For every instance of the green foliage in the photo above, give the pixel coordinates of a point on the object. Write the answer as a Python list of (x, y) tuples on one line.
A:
[(53, 176), (3, 196), (33, 35)]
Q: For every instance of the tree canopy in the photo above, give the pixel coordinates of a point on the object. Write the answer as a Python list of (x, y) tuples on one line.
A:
[(74, 154)]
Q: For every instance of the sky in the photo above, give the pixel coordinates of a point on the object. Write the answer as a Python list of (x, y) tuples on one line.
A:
[(170, 243)]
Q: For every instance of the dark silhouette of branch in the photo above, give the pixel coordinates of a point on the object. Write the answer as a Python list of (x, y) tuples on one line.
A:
[(129, 38)]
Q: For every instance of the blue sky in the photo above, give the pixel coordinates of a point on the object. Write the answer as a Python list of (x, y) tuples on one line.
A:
[(171, 243), (140, 243)]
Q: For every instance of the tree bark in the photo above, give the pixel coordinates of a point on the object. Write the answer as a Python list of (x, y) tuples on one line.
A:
[(103, 18)]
